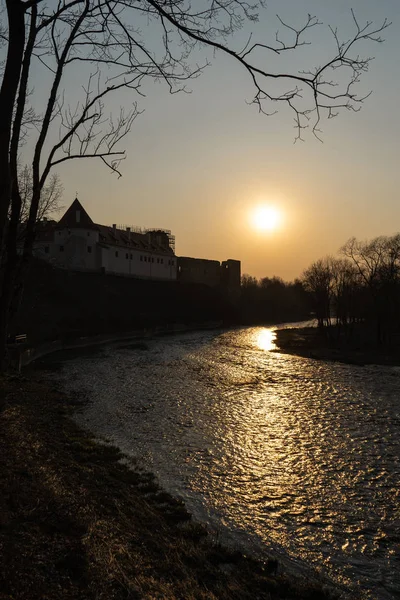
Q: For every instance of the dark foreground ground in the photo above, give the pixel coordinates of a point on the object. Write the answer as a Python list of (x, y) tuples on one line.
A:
[(359, 349), (75, 523)]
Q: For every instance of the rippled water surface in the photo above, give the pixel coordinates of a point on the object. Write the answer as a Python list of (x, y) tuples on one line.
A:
[(297, 457)]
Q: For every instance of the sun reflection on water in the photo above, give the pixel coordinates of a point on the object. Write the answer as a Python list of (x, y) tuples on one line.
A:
[(295, 457), (265, 339)]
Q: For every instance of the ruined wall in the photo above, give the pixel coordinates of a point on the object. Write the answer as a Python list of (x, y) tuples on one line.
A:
[(199, 270), (230, 274), (210, 272)]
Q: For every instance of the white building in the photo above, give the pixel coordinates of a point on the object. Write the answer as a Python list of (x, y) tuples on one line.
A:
[(77, 243)]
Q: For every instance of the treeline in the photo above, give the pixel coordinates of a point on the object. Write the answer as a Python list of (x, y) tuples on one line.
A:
[(272, 300), (362, 285)]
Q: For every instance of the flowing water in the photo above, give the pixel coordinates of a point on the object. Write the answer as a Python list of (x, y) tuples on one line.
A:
[(287, 455)]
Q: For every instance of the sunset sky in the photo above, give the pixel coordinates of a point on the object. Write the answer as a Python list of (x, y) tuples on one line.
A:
[(200, 163)]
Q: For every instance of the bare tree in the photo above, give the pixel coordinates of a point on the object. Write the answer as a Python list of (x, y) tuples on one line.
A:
[(50, 197), (318, 281), (110, 41), (346, 293), (368, 258), (377, 262), (248, 281)]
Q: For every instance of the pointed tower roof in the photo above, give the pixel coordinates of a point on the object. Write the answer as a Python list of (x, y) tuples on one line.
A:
[(76, 217)]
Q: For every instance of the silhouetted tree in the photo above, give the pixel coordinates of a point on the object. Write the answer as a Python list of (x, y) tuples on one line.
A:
[(50, 197), (271, 300), (275, 296), (248, 282), (377, 263), (318, 281), (364, 287), (118, 44)]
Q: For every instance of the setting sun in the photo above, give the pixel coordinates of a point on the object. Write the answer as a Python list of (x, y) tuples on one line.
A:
[(265, 218)]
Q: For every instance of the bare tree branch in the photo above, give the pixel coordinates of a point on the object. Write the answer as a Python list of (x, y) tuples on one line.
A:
[(118, 45)]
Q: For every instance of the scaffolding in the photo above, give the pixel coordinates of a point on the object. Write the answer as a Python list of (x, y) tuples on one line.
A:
[(171, 237), (133, 228), (143, 231)]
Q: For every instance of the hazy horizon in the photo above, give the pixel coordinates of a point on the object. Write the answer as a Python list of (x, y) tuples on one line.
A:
[(199, 163)]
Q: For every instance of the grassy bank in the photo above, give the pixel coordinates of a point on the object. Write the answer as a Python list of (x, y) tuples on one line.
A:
[(78, 524), (359, 349)]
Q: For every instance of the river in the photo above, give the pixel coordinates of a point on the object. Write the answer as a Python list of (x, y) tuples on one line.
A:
[(281, 454)]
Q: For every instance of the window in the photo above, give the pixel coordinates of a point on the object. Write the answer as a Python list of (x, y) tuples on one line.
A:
[(116, 253), (89, 249), (78, 216), (172, 262), (158, 260), (61, 248), (46, 249), (145, 259), (59, 233), (88, 233), (126, 256), (152, 260), (162, 261), (141, 258), (131, 256)]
